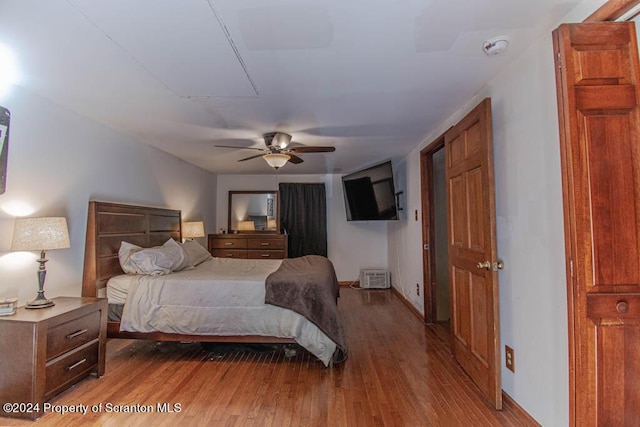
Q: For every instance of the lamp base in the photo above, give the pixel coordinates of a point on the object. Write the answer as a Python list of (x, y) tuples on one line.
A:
[(39, 303)]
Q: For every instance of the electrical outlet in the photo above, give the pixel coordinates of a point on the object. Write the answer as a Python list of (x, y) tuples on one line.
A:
[(509, 359), (418, 289)]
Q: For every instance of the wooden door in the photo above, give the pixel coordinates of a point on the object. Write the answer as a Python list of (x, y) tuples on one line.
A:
[(597, 84), (471, 233)]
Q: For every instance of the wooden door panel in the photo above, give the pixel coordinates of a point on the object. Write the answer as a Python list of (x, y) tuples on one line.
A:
[(474, 140), (480, 297), (458, 229), (611, 162), (597, 81), (617, 352), (460, 298), (455, 151), (474, 205), (471, 229)]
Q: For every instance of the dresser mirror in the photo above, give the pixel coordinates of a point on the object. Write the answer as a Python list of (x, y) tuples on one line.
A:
[(253, 212)]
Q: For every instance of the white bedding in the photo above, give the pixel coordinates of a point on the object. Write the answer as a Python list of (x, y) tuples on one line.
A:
[(221, 296)]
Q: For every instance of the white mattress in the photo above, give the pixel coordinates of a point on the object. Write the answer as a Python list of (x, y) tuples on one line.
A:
[(219, 297)]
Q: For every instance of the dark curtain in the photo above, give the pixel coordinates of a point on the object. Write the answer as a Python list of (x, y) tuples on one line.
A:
[(303, 214)]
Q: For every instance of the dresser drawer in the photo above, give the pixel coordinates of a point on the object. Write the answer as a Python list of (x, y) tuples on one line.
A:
[(70, 335), (62, 371), (229, 253), (255, 254), (265, 243), (228, 243)]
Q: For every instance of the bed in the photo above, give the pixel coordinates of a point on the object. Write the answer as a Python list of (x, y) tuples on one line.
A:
[(238, 316)]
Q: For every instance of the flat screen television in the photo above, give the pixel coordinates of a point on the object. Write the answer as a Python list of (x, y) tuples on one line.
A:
[(369, 194)]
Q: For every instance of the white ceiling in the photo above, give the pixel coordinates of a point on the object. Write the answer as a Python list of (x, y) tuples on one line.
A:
[(370, 77)]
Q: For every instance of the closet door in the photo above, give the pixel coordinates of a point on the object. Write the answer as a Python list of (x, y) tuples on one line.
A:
[(597, 82)]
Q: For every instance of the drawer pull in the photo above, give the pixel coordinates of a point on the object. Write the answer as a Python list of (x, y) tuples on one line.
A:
[(75, 365), (228, 243), (76, 334), (229, 255), (622, 307), (265, 256), (265, 244)]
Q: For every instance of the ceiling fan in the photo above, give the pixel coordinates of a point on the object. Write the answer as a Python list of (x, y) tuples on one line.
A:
[(276, 153)]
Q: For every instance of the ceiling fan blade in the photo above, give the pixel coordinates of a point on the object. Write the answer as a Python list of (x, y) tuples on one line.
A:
[(295, 159), (304, 149), (239, 148), (252, 157)]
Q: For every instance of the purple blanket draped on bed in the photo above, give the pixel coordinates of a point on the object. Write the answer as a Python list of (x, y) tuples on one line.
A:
[(308, 286)]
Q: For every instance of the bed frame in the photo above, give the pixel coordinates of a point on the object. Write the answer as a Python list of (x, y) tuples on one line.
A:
[(110, 223)]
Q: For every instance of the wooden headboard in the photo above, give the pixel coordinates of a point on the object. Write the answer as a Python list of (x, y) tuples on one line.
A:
[(108, 224)]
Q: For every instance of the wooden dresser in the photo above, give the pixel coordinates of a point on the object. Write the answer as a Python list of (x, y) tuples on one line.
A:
[(45, 351), (252, 246)]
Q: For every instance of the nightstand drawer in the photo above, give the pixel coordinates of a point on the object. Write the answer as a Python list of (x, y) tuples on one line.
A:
[(265, 244), (64, 370), (265, 254), (229, 253), (70, 335)]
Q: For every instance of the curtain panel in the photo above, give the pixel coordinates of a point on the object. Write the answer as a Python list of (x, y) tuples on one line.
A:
[(303, 214)]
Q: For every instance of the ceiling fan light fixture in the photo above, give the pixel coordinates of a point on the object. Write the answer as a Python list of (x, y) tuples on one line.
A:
[(282, 139), (276, 160)]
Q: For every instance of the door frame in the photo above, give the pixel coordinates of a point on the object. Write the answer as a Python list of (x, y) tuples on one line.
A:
[(428, 225)]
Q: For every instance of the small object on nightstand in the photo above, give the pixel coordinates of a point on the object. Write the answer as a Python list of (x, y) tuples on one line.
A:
[(8, 306)]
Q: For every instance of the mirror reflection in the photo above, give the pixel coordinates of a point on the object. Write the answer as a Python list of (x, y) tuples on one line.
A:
[(253, 211)]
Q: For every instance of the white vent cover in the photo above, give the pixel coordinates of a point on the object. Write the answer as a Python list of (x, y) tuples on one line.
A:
[(375, 279)]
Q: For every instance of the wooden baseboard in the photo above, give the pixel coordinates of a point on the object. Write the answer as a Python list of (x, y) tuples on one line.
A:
[(355, 283), (507, 401), (406, 302)]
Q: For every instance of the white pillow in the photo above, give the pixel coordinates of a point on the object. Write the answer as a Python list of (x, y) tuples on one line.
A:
[(152, 261), (186, 262), (124, 255), (195, 252)]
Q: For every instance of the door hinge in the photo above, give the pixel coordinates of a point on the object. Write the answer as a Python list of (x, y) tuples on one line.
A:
[(559, 60), (571, 266)]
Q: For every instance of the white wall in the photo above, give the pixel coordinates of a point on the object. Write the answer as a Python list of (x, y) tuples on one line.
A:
[(351, 245), (58, 161), (533, 302)]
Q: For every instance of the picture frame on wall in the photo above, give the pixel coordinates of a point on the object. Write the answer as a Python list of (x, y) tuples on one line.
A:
[(270, 207), (5, 118)]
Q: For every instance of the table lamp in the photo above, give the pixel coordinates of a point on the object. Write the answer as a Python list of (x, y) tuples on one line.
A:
[(192, 229), (246, 225), (40, 234)]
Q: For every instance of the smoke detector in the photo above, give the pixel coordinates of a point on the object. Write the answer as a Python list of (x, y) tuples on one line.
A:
[(496, 45)]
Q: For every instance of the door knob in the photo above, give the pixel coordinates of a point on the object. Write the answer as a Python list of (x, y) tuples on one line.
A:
[(484, 264), (487, 265)]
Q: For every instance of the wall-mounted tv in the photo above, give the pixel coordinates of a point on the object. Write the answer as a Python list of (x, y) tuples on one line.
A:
[(369, 194)]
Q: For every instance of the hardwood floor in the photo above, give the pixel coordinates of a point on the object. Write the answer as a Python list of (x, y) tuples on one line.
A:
[(399, 373)]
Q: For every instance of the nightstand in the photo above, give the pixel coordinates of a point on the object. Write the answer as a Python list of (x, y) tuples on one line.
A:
[(45, 351)]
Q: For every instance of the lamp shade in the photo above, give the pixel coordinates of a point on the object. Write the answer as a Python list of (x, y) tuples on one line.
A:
[(276, 160), (246, 225), (40, 234), (192, 229)]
